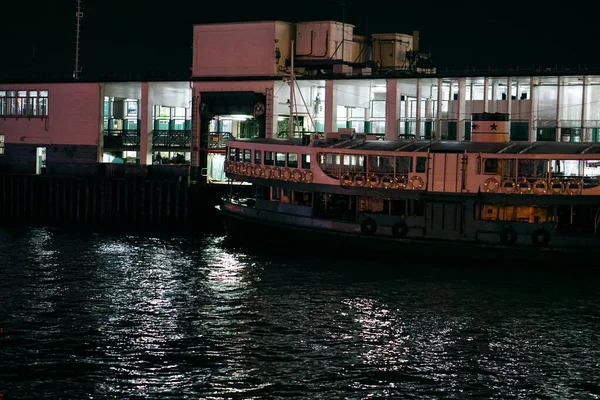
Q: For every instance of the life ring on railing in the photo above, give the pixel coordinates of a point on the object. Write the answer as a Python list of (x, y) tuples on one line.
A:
[(346, 179), (268, 172), (557, 186), (242, 169), (286, 174), (491, 185), (509, 185), (258, 171), (508, 236), (359, 180), (368, 226), (387, 181), (308, 176), (249, 169), (399, 229), (277, 173), (573, 186), (373, 180), (416, 183), (400, 183), (540, 187), (524, 186), (540, 237), (297, 175)]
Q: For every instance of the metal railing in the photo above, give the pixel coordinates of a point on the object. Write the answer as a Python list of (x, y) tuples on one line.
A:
[(121, 138), (171, 138)]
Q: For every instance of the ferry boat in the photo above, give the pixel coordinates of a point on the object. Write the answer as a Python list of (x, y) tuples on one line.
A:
[(419, 197)]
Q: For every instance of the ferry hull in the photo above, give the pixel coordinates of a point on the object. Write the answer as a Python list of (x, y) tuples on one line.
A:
[(266, 235)]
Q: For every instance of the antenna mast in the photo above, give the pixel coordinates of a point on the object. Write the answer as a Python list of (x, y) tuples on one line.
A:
[(78, 16)]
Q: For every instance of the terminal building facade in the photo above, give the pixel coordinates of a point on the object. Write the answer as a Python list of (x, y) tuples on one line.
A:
[(248, 79)]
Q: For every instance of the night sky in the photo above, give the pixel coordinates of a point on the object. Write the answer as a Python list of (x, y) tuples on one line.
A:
[(127, 37)]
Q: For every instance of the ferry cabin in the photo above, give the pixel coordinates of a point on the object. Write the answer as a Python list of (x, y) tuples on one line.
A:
[(433, 189)]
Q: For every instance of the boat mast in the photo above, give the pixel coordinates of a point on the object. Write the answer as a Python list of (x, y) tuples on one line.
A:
[(78, 16), (291, 128)]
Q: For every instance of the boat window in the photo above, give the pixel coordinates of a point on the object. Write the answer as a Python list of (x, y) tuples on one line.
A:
[(381, 164), (591, 173), (353, 163), (592, 168), (491, 166), (268, 158), (247, 155), (404, 165), (417, 207), (275, 193), (292, 160), (533, 168), (398, 207), (508, 168), (530, 214), (421, 164), (306, 161), (330, 164), (238, 155), (566, 167), (280, 159), (231, 152), (257, 157)]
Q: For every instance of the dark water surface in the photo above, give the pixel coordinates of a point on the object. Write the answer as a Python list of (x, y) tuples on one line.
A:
[(99, 316)]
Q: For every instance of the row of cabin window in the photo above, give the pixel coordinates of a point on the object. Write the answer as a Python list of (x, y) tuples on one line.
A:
[(32, 103), (278, 159), (377, 164), (540, 168)]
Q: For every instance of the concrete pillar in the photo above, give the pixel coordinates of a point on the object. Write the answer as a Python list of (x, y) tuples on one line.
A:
[(348, 117), (438, 111), (585, 131), (460, 110), (195, 133), (533, 116), (100, 152), (330, 107), (368, 119), (392, 102), (418, 116), (509, 96), (517, 111), (495, 87), (146, 125), (559, 98), (485, 94)]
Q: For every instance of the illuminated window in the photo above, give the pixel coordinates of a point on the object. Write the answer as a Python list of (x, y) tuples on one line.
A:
[(43, 102), (22, 102), (32, 103), (11, 102), (3, 103), (1, 145), (292, 161)]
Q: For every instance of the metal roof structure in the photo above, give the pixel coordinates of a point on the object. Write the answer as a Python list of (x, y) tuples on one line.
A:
[(446, 146)]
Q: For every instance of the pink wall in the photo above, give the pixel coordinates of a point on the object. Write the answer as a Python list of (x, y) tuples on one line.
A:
[(244, 49), (73, 116)]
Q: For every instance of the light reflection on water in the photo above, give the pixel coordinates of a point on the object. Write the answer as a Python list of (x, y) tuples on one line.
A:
[(88, 315)]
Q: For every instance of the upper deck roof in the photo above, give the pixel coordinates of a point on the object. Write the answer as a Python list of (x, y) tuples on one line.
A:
[(445, 146)]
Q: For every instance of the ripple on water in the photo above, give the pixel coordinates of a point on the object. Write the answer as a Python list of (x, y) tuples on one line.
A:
[(90, 315)]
